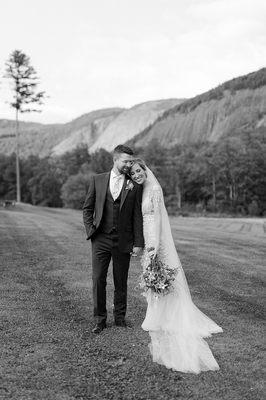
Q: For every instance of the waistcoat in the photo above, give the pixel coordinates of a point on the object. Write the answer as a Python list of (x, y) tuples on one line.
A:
[(109, 222)]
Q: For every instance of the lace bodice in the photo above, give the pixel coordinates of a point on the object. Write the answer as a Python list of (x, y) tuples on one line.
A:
[(151, 200), (150, 209), (150, 204), (156, 228)]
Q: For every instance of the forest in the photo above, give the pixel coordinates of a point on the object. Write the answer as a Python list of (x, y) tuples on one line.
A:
[(225, 177)]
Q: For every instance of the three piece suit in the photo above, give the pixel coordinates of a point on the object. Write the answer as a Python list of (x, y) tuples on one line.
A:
[(114, 227)]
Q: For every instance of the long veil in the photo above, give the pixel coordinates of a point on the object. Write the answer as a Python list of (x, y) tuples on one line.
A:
[(174, 322), (165, 234)]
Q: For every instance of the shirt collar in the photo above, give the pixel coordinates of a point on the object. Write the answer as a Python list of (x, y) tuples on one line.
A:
[(116, 176)]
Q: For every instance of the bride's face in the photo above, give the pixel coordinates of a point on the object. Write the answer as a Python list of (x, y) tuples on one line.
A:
[(138, 174)]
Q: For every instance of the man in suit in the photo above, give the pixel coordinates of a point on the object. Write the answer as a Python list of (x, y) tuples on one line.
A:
[(113, 221)]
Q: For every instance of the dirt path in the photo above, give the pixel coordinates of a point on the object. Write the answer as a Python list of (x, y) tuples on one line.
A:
[(47, 349)]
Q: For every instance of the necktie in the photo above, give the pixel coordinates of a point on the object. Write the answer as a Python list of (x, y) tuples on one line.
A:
[(116, 186)]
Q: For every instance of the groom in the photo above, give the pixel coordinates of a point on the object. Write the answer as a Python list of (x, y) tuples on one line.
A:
[(113, 221)]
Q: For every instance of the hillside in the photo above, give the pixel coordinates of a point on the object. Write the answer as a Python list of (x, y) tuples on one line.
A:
[(44, 140), (86, 129), (101, 128), (232, 106), (130, 122)]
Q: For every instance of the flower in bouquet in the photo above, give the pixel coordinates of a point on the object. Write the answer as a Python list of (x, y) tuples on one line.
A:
[(158, 277)]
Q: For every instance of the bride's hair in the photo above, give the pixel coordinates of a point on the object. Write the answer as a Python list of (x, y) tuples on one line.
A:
[(140, 162)]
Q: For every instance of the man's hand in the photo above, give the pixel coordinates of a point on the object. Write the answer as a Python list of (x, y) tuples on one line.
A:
[(136, 251)]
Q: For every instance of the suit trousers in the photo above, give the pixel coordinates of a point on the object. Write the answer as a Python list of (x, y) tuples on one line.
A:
[(105, 248)]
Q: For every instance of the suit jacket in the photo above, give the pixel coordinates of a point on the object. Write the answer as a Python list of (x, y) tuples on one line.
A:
[(130, 222)]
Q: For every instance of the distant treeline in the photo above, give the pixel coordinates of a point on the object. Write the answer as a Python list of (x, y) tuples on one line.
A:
[(228, 176)]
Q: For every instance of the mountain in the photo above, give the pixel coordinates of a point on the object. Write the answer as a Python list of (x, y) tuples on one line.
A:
[(231, 107), (55, 139), (132, 121), (101, 128), (85, 130)]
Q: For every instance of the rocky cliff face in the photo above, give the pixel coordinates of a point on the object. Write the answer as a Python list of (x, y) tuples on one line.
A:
[(210, 120), (228, 109), (86, 132), (101, 128), (130, 122), (225, 110)]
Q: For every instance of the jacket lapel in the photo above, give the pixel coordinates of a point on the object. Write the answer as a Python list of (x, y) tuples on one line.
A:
[(101, 190)]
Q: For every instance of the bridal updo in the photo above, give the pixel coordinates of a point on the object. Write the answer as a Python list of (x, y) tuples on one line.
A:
[(141, 163)]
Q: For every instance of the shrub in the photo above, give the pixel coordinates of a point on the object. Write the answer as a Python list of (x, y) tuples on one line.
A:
[(253, 208), (74, 190)]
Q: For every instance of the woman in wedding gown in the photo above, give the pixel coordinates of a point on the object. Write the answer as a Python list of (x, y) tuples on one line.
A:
[(177, 328)]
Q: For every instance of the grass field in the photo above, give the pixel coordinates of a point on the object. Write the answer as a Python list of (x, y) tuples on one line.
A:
[(48, 351)]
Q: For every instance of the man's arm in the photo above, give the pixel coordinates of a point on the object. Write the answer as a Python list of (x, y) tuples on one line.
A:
[(88, 209), (138, 219)]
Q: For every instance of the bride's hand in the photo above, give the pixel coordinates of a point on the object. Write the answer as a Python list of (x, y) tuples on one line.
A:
[(151, 252)]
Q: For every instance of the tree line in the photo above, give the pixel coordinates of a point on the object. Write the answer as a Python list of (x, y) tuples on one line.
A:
[(228, 176), (53, 181)]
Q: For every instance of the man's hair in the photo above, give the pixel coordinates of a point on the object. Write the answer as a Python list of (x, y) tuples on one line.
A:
[(123, 149)]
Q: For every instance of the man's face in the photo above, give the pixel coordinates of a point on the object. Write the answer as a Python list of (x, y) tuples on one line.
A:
[(123, 162)]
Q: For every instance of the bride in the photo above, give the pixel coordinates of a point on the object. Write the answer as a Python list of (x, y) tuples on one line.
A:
[(177, 328)]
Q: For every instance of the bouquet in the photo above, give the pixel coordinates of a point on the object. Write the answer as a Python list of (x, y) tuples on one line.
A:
[(158, 277)]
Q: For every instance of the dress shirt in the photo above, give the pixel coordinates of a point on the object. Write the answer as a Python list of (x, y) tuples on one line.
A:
[(116, 184)]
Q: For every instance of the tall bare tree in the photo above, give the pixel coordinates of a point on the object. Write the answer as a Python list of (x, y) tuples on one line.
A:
[(25, 96)]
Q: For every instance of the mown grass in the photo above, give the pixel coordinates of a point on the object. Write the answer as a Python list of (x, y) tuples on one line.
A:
[(48, 351)]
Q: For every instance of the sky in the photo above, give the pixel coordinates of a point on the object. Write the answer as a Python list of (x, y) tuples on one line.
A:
[(93, 54)]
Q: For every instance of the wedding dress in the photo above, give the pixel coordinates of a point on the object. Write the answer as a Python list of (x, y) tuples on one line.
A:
[(176, 326)]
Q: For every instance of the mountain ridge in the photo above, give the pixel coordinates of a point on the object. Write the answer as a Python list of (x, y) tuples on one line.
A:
[(230, 107), (56, 139), (131, 121), (212, 114)]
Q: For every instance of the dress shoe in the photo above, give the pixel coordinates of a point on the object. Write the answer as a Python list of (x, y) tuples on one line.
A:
[(121, 323), (98, 328)]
